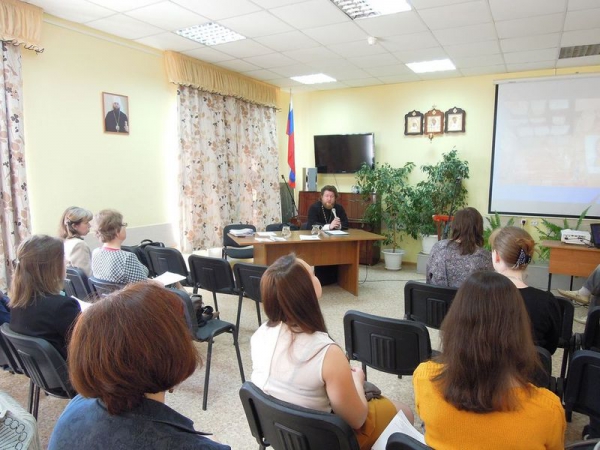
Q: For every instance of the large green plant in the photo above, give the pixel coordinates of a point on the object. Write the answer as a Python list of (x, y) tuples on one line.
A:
[(391, 186), (551, 232), (494, 223)]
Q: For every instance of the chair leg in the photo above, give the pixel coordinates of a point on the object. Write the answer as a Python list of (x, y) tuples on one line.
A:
[(215, 300), (364, 368), (30, 396), (207, 374), (565, 358), (239, 312), (258, 313), (36, 402), (237, 352)]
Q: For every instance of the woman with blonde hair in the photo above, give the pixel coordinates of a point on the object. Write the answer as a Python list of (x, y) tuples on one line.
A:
[(512, 250), (477, 393), (295, 360), (37, 307), (74, 225)]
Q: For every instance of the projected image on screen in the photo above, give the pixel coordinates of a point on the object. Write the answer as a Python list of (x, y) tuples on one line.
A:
[(546, 156)]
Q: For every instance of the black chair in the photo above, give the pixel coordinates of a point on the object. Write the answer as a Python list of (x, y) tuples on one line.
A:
[(247, 277), (279, 226), (212, 274), (43, 364), (567, 311), (165, 259), (543, 378), (588, 444), (231, 249), (8, 358), (284, 426), (101, 288), (581, 392), (389, 345), (427, 303), (79, 283), (401, 441), (590, 338), (207, 333)]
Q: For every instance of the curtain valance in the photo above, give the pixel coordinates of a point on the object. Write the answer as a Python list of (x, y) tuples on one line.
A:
[(21, 24), (187, 71)]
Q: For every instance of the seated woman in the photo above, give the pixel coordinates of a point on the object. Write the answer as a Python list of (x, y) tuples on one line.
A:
[(295, 360), (453, 260), (477, 393), (74, 225), (37, 307), (109, 262), (127, 350), (512, 249)]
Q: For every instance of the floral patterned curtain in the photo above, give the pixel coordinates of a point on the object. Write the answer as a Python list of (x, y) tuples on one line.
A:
[(228, 166), (14, 211)]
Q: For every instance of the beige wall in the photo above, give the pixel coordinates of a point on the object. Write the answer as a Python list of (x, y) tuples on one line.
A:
[(70, 160)]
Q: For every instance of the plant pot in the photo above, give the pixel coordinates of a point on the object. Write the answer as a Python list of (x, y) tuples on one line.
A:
[(393, 258), (428, 242)]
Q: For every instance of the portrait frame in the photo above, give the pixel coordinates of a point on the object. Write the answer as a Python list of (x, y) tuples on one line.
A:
[(413, 123), (455, 120), (433, 122), (113, 122)]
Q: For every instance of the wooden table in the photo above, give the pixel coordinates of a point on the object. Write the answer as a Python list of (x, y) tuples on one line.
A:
[(571, 259), (342, 251)]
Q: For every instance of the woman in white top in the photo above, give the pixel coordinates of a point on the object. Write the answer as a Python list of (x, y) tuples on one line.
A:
[(74, 225), (295, 360)]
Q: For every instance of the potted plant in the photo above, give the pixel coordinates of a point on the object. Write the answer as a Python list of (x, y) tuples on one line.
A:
[(494, 223), (552, 232), (391, 186), (419, 222)]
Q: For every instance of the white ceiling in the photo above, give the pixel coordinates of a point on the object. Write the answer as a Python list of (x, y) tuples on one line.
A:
[(299, 37)]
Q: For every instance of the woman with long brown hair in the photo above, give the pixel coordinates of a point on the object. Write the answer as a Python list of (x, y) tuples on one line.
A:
[(477, 393), (295, 360)]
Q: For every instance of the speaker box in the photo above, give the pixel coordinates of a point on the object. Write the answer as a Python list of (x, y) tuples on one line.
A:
[(310, 178)]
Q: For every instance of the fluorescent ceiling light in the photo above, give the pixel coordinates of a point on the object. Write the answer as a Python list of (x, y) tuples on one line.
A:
[(210, 34), (437, 65), (360, 9), (315, 78)]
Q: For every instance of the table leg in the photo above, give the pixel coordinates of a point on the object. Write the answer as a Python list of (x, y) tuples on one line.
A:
[(549, 280)]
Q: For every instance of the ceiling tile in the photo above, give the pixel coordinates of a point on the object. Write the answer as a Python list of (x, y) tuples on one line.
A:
[(237, 65), (393, 24), (530, 43), (330, 86), (384, 59), (315, 54), (531, 56), (125, 26), (439, 75), (574, 5), (347, 74), (474, 71), (208, 54), (575, 62), (270, 60), (219, 9), (262, 74), (74, 10), (168, 16), (424, 4), (530, 26), (387, 71), (244, 48), (310, 14), (472, 49), (463, 35), (523, 67), (515, 9), (293, 71), (288, 82), (413, 41), (359, 48), (336, 33), (275, 3), (585, 19), (332, 64), (363, 82), (459, 15), (122, 5), (399, 78), (292, 40), (256, 24), (580, 37), (426, 54), (169, 41), (477, 61)]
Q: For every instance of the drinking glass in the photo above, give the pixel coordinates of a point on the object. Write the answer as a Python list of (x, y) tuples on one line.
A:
[(315, 229), (286, 232)]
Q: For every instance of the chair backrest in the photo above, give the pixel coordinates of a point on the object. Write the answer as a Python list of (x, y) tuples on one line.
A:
[(543, 377), (103, 287), (427, 303), (567, 311), (401, 441), (389, 345), (165, 259), (8, 357), (284, 426), (247, 277), (279, 226), (227, 241), (591, 334), (582, 394), (44, 365), (79, 282), (211, 274)]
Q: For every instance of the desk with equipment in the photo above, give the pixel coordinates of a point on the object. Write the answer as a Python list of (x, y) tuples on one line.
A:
[(571, 259), (342, 251)]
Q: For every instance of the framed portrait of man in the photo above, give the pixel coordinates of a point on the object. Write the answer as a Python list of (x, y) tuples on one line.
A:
[(115, 108), (413, 123), (455, 120), (434, 122)]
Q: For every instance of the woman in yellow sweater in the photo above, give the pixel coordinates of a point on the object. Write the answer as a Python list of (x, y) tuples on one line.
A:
[(477, 394)]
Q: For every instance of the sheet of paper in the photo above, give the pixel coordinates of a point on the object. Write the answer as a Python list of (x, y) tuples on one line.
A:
[(277, 238), (399, 424), (262, 239), (242, 232), (169, 278), (336, 232), (309, 237), (266, 233)]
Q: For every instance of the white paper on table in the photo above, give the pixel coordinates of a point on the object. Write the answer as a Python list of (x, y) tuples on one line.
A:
[(266, 233), (242, 233), (169, 278), (262, 239), (399, 424), (336, 232), (277, 238), (309, 237)]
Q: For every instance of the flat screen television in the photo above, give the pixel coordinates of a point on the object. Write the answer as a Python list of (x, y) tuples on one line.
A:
[(344, 153)]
